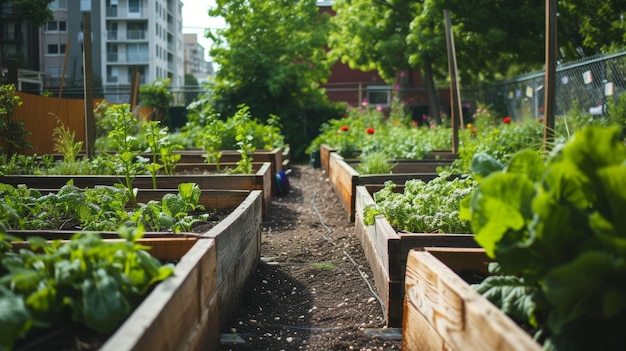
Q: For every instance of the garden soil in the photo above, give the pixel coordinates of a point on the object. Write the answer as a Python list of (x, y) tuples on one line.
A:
[(313, 289)]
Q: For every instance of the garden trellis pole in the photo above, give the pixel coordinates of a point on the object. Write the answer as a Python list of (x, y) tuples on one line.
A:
[(550, 87), (455, 94), (90, 124)]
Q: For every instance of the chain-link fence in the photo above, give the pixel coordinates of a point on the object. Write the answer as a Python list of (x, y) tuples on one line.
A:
[(587, 85)]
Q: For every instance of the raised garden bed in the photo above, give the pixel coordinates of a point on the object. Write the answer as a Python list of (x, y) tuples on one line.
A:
[(386, 251), (186, 310), (442, 311), (344, 178), (261, 179)]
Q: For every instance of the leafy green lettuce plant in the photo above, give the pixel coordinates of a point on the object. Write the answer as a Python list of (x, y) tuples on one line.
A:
[(423, 207), (88, 280), (557, 231)]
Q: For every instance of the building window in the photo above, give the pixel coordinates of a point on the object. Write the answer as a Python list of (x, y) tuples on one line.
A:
[(58, 5), (134, 6), (56, 26), (379, 95), (56, 49)]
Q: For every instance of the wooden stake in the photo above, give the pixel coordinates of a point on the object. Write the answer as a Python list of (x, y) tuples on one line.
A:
[(90, 123), (550, 87), (455, 94)]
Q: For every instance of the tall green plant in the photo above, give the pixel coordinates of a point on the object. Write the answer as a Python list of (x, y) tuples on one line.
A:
[(161, 149), (125, 161), (244, 140), (556, 229), (65, 142)]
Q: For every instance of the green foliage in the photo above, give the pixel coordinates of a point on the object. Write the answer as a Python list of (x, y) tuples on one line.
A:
[(376, 162), (12, 131), (272, 58), (556, 230), (86, 280), (423, 207), (100, 209), (396, 137), (157, 96), (122, 137), (65, 142), (244, 141), (161, 148), (35, 11)]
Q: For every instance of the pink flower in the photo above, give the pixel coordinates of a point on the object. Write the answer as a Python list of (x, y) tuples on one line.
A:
[(364, 102), (370, 130), (506, 120), (345, 128), (379, 108)]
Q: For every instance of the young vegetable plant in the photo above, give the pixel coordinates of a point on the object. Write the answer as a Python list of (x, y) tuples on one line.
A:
[(87, 280), (161, 148), (126, 161), (211, 139), (244, 138), (557, 231), (99, 209), (423, 207)]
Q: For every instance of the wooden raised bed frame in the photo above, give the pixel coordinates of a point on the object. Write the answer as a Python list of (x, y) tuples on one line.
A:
[(442, 312), (344, 178), (386, 251), (261, 179), (326, 150), (187, 310)]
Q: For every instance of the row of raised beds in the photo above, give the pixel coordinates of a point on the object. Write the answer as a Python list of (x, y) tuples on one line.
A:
[(186, 224), (536, 234)]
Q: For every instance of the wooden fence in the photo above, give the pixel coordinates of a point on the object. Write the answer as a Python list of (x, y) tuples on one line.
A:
[(40, 115)]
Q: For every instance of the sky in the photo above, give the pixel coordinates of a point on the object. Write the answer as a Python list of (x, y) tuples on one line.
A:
[(196, 19)]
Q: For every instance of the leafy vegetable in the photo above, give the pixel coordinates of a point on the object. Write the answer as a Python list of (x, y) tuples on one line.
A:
[(558, 234), (423, 207), (87, 280)]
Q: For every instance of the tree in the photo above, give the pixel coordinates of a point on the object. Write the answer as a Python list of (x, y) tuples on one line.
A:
[(271, 57), (34, 11), (374, 34)]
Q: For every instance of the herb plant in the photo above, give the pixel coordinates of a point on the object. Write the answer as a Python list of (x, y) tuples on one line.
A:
[(88, 280), (557, 231)]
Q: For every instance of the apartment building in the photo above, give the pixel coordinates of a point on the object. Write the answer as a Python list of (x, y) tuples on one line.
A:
[(195, 62), (128, 36)]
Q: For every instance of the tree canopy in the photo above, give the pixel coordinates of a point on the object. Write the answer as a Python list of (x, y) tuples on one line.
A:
[(35, 11), (272, 57)]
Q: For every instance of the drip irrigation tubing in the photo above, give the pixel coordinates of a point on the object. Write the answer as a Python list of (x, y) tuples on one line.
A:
[(361, 273)]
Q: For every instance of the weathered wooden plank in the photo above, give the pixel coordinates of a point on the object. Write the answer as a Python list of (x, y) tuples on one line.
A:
[(325, 151), (387, 250), (238, 242), (460, 316), (343, 180), (169, 317), (170, 248)]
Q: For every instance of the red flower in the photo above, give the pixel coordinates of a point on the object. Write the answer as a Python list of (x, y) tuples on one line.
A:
[(370, 130), (506, 120), (345, 128), (474, 131), (414, 123)]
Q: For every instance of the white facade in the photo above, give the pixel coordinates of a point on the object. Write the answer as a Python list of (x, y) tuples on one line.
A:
[(142, 34), (126, 34)]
